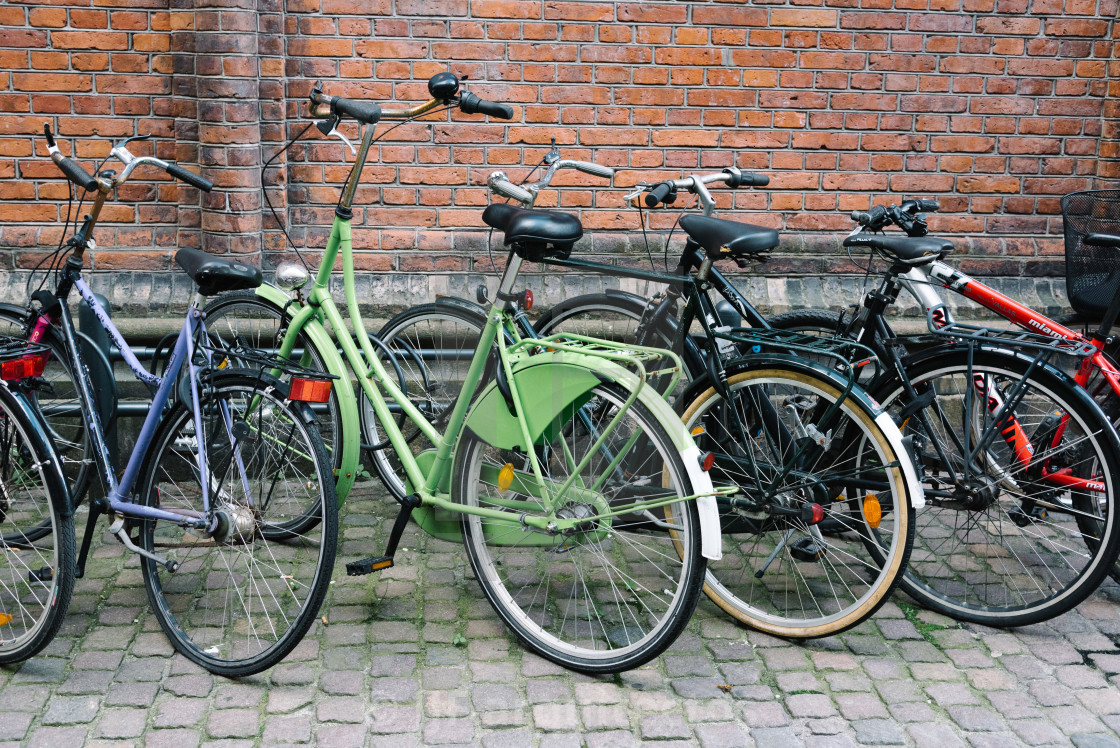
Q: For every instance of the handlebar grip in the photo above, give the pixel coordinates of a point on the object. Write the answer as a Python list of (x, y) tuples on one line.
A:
[(928, 205), (870, 217), (659, 192), (188, 176), (596, 170), (1102, 240), (471, 104), (510, 190), (76, 174), (751, 179), (366, 112)]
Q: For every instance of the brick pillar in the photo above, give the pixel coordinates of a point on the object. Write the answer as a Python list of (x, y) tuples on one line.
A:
[(273, 125), (218, 53), (1108, 164)]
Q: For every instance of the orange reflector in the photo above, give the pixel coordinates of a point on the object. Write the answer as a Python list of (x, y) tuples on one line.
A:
[(310, 390), (816, 513), (698, 431), (21, 368), (528, 299), (5, 619), (505, 477), (384, 563), (872, 511), (707, 460)]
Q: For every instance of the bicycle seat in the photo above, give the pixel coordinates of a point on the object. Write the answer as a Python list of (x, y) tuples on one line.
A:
[(214, 275), (909, 250), (534, 234), (722, 238)]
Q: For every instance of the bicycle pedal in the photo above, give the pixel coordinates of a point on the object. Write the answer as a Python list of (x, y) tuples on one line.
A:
[(806, 549), (368, 565), (44, 574)]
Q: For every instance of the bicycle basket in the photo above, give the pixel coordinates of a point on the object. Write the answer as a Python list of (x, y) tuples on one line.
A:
[(1092, 273)]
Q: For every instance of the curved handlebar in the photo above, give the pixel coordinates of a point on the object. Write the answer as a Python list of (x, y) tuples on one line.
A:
[(595, 170), (663, 192), (71, 168), (499, 183), (444, 88), (79, 176)]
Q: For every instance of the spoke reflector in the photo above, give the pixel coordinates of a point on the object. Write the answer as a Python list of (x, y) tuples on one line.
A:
[(505, 477), (872, 511)]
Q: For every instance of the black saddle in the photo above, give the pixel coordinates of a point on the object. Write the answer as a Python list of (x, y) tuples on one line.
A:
[(721, 238), (214, 275), (909, 250), (534, 234)]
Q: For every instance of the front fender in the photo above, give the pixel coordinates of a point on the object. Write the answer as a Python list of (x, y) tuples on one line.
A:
[(553, 385), (344, 389)]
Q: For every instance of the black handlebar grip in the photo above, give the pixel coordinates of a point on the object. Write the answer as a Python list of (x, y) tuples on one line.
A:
[(48, 135), (76, 174), (471, 104), (1102, 240), (659, 192), (930, 205), (188, 176), (366, 112), (751, 179)]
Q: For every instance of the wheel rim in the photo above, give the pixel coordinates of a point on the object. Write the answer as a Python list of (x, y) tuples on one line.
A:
[(960, 555), (791, 598), (628, 577)]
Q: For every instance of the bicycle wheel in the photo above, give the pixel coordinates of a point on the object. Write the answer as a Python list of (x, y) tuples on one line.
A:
[(259, 323), (56, 398), (241, 599), (37, 544), (1001, 544), (612, 593), (791, 439), (432, 344), (617, 318)]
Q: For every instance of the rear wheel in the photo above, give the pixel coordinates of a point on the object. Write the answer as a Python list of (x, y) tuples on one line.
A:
[(791, 440), (612, 592), (240, 598)]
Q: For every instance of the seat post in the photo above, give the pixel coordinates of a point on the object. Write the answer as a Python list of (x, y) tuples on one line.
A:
[(505, 286)]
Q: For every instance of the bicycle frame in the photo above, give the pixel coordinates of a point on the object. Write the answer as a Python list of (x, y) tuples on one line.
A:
[(919, 282)]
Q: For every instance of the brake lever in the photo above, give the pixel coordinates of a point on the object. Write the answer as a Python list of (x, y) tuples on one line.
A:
[(552, 156), (126, 141), (329, 127)]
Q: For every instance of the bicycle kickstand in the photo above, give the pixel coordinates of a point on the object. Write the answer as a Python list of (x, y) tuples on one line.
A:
[(377, 563)]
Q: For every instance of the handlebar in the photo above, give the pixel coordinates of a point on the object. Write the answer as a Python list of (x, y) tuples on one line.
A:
[(443, 88), (663, 193), (526, 194), (910, 216), (79, 176)]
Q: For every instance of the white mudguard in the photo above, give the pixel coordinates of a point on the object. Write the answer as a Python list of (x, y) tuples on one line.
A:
[(711, 544), (917, 493)]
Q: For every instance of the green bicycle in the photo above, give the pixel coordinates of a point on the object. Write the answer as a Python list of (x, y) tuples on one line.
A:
[(580, 496)]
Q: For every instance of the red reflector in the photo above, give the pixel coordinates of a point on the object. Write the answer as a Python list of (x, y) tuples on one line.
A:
[(528, 299), (707, 460), (817, 513), (310, 390), (21, 368)]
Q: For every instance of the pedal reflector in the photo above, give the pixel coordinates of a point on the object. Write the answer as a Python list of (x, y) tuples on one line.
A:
[(872, 511), (505, 477), (310, 390)]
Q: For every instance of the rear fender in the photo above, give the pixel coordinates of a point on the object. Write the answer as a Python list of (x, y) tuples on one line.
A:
[(552, 386)]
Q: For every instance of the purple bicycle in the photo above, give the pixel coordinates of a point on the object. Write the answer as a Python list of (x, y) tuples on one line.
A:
[(206, 498)]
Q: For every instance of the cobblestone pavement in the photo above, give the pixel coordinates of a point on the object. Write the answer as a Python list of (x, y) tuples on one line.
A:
[(416, 656)]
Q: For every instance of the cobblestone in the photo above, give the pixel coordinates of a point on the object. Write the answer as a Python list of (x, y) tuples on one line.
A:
[(401, 682)]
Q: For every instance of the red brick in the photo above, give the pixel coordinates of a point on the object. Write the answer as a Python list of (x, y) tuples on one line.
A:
[(819, 18)]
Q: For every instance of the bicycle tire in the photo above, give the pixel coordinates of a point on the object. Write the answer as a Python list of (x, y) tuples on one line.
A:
[(37, 544), (1008, 529), (582, 622), (432, 345), (281, 451), (767, 579), (59, 405), (258, 322)]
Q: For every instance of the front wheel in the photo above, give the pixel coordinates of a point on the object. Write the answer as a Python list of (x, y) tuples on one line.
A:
[(247, 587), (615, 587), (791, 440), (37, 541)]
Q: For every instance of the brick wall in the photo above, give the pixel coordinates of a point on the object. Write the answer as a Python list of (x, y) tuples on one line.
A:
[(997, 107)]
